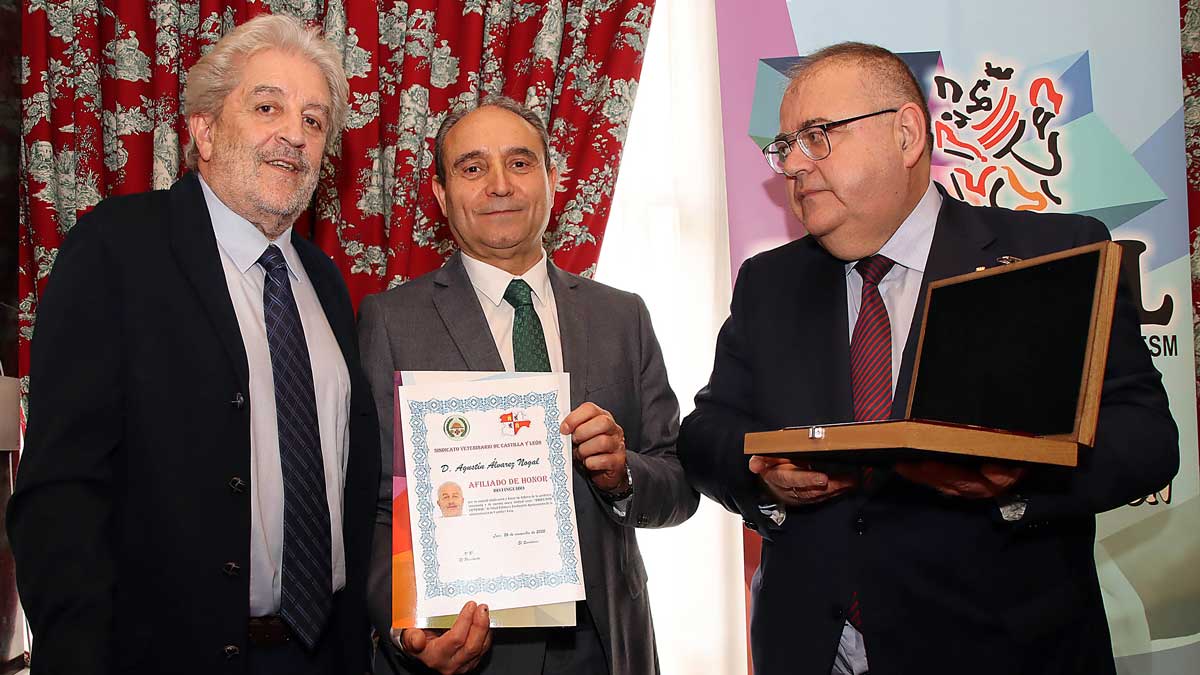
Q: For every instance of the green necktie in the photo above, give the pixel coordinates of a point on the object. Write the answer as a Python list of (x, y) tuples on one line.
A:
[(528, 340)]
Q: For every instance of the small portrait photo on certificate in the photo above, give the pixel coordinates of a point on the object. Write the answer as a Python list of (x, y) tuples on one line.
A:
[(450, 499)]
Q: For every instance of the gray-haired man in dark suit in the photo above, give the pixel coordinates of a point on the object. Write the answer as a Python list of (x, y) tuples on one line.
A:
[(487, 309)]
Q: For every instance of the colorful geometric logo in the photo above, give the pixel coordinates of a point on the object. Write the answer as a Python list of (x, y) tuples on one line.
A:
[(1019, 136)]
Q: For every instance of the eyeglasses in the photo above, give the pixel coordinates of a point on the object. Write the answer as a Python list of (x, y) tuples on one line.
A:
[(813, 141)]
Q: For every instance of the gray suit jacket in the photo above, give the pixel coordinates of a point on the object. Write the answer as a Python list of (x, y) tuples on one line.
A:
[(435, 323)]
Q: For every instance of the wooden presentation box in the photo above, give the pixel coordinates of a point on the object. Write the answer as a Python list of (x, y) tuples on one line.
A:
[(1009, 365)]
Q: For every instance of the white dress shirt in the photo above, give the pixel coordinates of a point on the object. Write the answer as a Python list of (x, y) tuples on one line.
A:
[(240, 244), (490, 283), (900, 289)]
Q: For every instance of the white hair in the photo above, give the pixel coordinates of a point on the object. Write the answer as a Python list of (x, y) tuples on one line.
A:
[(219, 71)]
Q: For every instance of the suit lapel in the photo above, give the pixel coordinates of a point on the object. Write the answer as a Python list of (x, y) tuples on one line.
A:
[(960, 242), (194, 247), (814, 326), (572, 330), (457, 305)]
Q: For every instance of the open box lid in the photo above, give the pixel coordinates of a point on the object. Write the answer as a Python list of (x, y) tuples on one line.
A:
[(1020, 347), (1010, 365)]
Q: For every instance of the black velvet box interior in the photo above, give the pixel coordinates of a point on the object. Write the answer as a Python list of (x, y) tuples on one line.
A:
[(1007, 351)]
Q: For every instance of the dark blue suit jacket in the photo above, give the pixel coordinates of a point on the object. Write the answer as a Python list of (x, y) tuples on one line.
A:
[(946, 585)]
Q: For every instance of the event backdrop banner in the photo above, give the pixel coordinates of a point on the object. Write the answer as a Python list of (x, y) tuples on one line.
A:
[(1073, 106)]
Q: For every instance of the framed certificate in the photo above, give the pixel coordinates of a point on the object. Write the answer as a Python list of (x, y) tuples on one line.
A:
[(489, 495)]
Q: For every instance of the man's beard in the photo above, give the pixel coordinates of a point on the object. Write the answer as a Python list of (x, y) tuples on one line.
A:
[(244, 165), (299, 198)]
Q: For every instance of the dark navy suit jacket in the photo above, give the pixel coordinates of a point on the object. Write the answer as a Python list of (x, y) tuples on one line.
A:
[(130, 521), (946, 584)]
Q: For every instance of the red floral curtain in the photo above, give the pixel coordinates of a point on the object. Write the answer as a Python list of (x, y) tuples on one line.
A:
[(1189, 29), (101, 84)]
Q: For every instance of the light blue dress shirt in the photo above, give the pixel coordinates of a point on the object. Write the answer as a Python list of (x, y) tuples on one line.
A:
[(240, 244)]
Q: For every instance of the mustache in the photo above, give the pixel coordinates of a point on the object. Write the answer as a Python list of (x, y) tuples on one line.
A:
[(497, 206), (296, 159)]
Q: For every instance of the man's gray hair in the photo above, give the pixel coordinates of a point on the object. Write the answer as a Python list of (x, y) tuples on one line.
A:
[(493, 101), (893, 79), (219, 71)]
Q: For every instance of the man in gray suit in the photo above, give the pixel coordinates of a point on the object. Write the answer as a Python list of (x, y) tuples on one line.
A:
[(500, 304)]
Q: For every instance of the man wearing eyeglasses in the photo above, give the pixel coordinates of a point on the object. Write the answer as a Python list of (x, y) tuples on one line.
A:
[(922, 566)]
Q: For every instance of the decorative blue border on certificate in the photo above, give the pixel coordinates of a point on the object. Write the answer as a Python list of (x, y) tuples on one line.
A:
[(435, 586)]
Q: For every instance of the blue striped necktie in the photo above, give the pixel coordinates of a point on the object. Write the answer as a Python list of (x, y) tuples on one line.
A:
[(307, 581)]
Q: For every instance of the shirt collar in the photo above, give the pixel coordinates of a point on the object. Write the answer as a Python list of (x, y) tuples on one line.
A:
[(242, 241), (909, 245), (493, 281)]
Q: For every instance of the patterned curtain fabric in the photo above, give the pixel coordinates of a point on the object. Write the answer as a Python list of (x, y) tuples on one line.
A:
[(101, 84), (1189, 33)]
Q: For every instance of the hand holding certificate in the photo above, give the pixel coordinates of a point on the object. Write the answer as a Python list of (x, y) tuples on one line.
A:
[(490, 492), (600, 447)]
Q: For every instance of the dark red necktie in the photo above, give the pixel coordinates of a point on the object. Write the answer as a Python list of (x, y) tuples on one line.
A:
[(871, 346), (870, 365)]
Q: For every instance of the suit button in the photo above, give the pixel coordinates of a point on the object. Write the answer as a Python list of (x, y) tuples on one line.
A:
[(643, 520), (860, 524), (231, 651), (231, 569), (835, 611), (238, 401), (237, 485)]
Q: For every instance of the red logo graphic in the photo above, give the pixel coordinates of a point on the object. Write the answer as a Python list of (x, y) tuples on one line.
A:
[(513, 422), (983, 128)]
